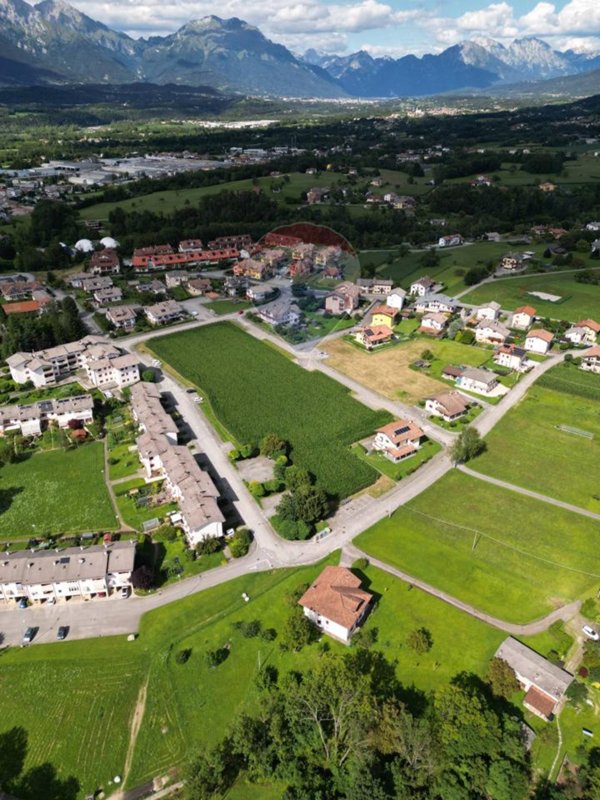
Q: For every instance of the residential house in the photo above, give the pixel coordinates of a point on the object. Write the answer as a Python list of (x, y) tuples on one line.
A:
[(300, 269), (280, 312), (273, 257), (511, 357), (119, 371), (433, 323), (490, 331), (590, 360), (190, 245), (522, 318), (56, 364), (545, 683), (258, 294), (344, 300), (155, 287), (304, 251), (122, 316), (373, 336), (475, 379), (92, 284), (433, 301), (375, 286), (538, 341), (255, 270), (547, 186), (317, 195), (512, 262), (423, 286), (24, 307), (488, 311), (398, 440), (105, 296), (148, 411), (87, 572), (18, 289), (176, 278), (198, 287), (452, 240), (32, 419), (105, 262), (239, 241), (593, 226), (328, 257), (481, 180), (164, 312), (383, 315), (448, 405), (583, 333), (395, 299), (336, 603)]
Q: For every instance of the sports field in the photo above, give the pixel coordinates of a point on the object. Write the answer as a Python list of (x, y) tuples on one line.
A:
[(253, 391), (506, 554), (388, 371), (579, 300), (59, 491), (529, 448)]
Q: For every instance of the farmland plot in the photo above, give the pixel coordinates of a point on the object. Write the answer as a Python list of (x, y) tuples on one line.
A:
[(253, 390)]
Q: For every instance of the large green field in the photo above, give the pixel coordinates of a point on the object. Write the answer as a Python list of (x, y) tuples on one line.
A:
[(253, 391), (504, 553), (580, 300), (56, 492), (90, 688), (528, 449)]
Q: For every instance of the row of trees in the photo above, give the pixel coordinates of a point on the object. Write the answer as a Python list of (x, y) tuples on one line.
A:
[(59, 323)]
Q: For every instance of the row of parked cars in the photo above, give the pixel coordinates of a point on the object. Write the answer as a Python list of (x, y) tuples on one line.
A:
[(30, 634)]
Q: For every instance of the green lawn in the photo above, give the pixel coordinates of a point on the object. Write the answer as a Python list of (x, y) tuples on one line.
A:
[(253, 390), (56, 491), (398, 471), (127, 463), (228, 306), (527, 449), (580, 300), (133, 514), (506, 554)]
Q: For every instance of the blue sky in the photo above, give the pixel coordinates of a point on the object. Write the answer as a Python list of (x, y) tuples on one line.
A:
[(383, 27)]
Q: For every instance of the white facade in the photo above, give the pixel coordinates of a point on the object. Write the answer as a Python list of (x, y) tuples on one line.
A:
[(488, 311), (536, 344), (396, 299)]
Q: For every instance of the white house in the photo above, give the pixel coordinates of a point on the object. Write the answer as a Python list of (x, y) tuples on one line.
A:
[(395, 299), (475, 379), (490, 331), (538, 341), (335, 602), (522, 318), (511, 357), (433, 323), (488, 311), (73, 572), (433, 301), (164, 312), (122, 316), (453, 240), (590, 360), (583, 333), (544, 683), (31, 419), (281, 312), (447, 405), (423, 286), (111, 295), (398, 440)]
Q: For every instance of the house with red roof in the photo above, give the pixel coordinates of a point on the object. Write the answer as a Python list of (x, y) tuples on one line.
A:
[(398, 440), (522, 318), (336, 603), (590, 360), (539, 341)]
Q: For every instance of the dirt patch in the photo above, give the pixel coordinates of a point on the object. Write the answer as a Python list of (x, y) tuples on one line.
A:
[(134, 729), (256, 469), (387, 372)]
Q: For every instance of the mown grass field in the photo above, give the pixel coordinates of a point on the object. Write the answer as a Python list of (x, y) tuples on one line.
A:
[(506, 554), (580, 300), (526, 447), (388, 371), (253, 391), (56, 492)]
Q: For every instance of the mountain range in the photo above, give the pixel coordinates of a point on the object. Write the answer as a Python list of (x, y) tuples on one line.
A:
[(54, 43)]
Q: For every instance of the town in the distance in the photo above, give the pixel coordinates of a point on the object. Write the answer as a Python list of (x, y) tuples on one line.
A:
[(299, 455)]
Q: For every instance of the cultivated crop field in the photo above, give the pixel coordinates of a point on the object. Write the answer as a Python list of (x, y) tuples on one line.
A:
[(388, 371), (253, 390), (580, 301), (56, 492), (506, 554), (527, 447)]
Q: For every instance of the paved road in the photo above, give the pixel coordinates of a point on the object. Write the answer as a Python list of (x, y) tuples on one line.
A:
[(529, 629), (528, 493)]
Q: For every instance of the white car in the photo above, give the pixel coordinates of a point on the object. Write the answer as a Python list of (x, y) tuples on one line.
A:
[(591, 633)]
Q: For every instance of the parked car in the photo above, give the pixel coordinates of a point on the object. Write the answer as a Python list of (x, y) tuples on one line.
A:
[(125, 592), (29, 635), (23, 603), (62, 632), (591, 633), (51, 601)]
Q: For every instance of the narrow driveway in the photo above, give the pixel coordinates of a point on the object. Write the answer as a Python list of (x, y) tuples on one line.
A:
[(528, 493), (529, 629)]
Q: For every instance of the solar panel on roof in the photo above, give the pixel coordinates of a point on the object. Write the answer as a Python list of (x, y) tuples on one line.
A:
[(403, 429)]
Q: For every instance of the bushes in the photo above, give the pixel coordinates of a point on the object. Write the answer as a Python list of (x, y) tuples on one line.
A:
[(240, 542), (208, 546), (183, 656), (249, 630)]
